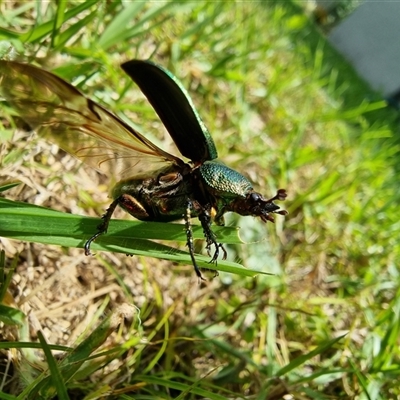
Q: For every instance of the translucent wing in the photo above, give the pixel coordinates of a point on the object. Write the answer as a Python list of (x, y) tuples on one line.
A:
[(60, 113)]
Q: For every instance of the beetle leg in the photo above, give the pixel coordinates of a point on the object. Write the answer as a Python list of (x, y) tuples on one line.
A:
[(102, 228), (189, 236), (205, 220), (128, 203)]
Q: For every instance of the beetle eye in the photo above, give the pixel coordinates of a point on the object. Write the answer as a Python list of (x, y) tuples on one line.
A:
[(255, 197)]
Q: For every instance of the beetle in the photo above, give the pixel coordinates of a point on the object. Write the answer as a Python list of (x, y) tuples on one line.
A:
[(201, 187)]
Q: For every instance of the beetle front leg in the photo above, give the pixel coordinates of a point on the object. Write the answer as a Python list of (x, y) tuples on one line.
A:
[(205, 220)]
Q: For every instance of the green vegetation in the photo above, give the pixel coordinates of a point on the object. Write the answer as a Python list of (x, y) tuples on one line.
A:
[(283, 109)]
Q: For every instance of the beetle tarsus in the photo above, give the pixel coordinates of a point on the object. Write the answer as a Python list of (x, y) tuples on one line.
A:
[(89, 242), (205, 220), (103, 227), (216, 253)]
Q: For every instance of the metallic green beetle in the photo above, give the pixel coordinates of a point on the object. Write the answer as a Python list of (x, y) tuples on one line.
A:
[(174, 189)]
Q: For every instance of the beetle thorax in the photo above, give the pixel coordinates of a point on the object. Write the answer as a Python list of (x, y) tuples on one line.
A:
[(223, 181)]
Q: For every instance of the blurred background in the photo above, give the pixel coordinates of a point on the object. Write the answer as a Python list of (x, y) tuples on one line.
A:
[(297, 95)]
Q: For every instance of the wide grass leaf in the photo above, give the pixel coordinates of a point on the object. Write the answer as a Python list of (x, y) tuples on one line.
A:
[(32, 223)]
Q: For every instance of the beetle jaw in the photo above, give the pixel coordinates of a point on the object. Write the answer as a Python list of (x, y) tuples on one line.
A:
[(257, 205)]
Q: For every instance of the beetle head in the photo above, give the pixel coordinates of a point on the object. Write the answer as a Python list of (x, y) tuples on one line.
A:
[(257, 205)]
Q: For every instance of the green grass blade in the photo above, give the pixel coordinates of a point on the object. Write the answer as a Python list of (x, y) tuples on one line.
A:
[(11, 316), (57, 379), (72, 362), (5, 396), (118, 25), (305, 357), (8, 185), (42, 30), (120, 32), (40, 225), (58, 21), (70, 32), (169, 383)]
